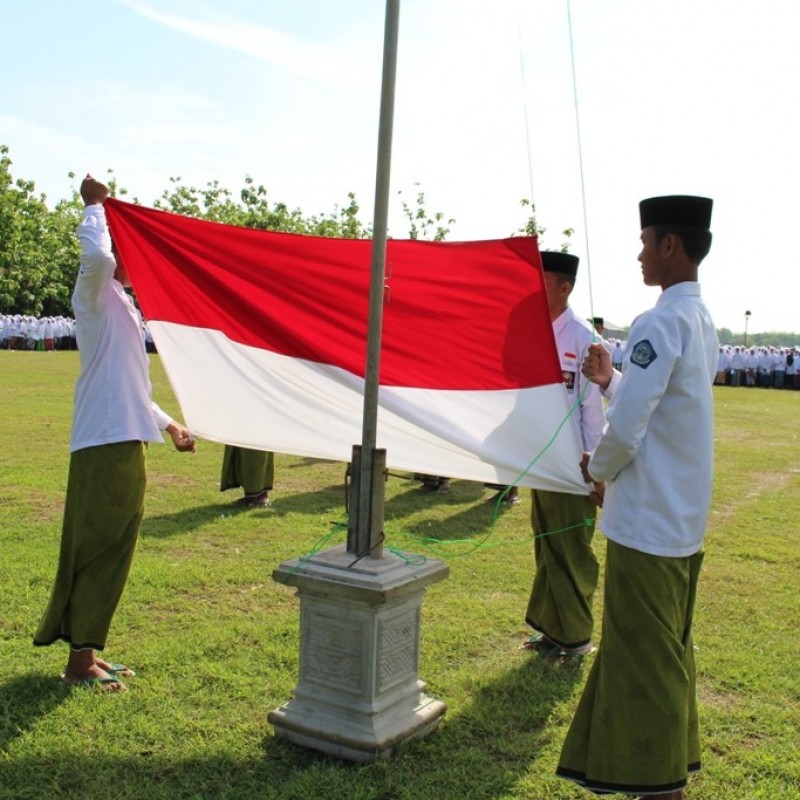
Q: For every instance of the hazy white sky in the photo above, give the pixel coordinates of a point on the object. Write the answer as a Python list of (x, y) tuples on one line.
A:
[(674, 96)]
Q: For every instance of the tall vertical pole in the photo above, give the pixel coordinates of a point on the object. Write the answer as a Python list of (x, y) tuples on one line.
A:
[(363, 538)]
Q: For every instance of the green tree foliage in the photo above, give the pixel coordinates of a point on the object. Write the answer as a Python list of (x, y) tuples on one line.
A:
[(532, 228), (253, 210), (421, 224), (764, 339), (38, 250)]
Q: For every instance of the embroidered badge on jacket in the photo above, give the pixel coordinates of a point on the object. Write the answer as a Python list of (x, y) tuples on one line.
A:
[(643, 354)]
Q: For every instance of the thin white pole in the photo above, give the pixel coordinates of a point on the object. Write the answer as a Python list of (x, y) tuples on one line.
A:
[(367, 540)]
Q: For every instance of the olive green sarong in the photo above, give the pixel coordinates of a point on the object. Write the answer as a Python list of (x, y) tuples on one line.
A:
[(560, 605), (635, 729), (102, 513), (253, 470)]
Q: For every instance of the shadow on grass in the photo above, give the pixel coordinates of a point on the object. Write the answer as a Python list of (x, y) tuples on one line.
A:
[(480, 752), (24, 701), (469, 520), (467, 527), (160, 526), (413, 500)]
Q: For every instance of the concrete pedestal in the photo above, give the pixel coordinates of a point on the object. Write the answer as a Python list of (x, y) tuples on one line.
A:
[(358, 694)]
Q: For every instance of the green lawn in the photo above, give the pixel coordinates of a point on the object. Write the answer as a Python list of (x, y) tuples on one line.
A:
[(215, 641)]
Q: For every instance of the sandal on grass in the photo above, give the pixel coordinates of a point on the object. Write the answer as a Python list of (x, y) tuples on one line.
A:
[(99, 684), (539, 643), (257, 500), (120, 670), (504, 498), (567, 656)]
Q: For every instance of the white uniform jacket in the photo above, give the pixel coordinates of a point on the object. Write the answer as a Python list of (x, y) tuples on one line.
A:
[(573, 337), (112, 395), (656, 453)]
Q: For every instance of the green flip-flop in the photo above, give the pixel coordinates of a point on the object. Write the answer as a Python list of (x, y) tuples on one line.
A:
[(98, 684), (121, 670), (539, 643)]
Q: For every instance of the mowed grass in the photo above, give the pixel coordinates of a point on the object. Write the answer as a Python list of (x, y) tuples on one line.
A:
[(214, 639)]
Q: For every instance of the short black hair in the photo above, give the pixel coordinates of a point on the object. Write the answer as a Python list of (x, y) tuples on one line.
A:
[(696, 241)]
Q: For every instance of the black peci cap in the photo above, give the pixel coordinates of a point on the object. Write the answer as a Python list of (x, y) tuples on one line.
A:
[(676, 209), (553, 261)]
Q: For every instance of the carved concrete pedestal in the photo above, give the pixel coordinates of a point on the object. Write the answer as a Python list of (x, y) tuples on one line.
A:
[(358, 694)]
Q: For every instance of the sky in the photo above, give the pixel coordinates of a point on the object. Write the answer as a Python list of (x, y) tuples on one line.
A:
[(666, 97)]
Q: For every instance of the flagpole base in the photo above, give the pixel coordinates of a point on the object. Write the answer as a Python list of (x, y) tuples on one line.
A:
[(359, 695)]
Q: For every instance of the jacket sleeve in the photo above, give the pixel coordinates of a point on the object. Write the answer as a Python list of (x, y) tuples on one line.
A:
[(163, 420), (655, 349), (97, 261), (593, 418)]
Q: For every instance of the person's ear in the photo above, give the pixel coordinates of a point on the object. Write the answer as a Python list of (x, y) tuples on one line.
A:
[(669, 245)]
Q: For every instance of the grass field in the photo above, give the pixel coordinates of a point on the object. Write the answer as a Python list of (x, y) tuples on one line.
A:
[(215, 641)]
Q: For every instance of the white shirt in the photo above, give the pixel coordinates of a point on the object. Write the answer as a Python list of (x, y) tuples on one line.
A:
[(573, 337), (112, 394), (656, 453)]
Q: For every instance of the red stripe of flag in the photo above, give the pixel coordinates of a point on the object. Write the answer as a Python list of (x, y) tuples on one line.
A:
[(457, 315)]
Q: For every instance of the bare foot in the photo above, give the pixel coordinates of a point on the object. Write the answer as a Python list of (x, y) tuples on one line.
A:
[(82, 669)]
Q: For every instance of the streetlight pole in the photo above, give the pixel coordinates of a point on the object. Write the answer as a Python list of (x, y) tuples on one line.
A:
[(746, 320)]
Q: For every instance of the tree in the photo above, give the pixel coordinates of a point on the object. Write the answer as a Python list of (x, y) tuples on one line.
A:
[(532, 228), (421, 224), (253, 210), (39, 253)]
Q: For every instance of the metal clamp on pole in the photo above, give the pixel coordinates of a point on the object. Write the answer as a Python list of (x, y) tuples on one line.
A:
[(365, 531)]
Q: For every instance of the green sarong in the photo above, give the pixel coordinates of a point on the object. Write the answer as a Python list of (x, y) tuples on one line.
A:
[(253, 470), (560, 605), (635, 729), (102, 514)]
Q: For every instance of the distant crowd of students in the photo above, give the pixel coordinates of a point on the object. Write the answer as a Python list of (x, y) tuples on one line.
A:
[(767, 367), (21, 332)]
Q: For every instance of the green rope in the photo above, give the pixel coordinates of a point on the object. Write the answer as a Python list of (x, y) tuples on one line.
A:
[(303, 560), (430, 543)]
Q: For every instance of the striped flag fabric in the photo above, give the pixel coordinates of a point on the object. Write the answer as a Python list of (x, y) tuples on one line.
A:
[(263, 338)]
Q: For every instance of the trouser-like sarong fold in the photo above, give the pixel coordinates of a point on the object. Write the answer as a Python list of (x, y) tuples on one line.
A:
[(253, 470), (635, 730), (560, 604), (102, 513)]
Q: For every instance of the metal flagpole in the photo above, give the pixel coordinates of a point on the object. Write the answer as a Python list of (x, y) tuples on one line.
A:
[(354, 610), (365, 532)]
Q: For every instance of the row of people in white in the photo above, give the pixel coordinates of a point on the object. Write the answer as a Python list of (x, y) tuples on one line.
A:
[(21, 332), (759, 366)]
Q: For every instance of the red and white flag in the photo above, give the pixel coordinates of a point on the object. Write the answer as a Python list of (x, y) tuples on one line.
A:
[(263, 338)]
